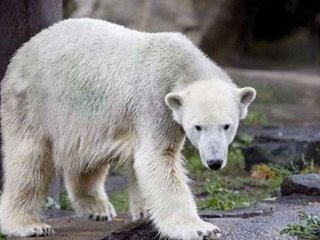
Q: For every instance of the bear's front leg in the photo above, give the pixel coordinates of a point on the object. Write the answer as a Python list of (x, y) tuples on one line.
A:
[(168, 198), (137, 206)]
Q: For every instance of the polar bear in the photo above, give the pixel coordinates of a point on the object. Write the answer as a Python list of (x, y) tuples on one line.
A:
[(84, 93)]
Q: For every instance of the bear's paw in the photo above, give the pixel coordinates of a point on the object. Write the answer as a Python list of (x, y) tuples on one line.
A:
[(28, 230), (98, 210), (194, 230)]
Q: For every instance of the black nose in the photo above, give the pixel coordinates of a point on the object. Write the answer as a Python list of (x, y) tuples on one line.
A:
[(215, 164)]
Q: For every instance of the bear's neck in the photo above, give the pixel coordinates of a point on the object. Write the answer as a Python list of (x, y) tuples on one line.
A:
[(200, 70)]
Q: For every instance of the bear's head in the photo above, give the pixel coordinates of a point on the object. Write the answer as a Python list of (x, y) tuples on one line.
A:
[(209, 112)]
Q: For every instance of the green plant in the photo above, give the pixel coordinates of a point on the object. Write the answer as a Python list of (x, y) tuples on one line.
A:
[(242, 140), (2, 236), (305, 166), (271, 175), (119, 200), (267, 179), (310, 167), (308, 230), (194, 165), (236, 161), (256, 118), (64, 202), (221, 198)]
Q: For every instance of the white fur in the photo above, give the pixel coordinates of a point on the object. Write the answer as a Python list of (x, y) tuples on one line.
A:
[(210, 105), (86, 92)]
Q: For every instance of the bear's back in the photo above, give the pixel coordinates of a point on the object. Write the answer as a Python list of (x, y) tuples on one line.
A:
[(95, 69), (87, 51), (87, 67)]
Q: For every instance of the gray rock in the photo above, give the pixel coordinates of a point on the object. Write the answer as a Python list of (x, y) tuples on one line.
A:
[(286, 146), (147, 15), (301, 184), (207, 22), (116, 182)]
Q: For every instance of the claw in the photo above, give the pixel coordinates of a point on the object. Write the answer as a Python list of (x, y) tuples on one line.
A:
[(215, 231)]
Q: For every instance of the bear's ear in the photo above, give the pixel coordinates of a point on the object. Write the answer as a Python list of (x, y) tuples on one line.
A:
[(174, 100), (246, 96)]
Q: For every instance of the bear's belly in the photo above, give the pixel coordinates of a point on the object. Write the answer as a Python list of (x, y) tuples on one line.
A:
[(92, 148)]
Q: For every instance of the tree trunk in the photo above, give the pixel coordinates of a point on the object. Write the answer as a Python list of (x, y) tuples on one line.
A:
[(19, 21)]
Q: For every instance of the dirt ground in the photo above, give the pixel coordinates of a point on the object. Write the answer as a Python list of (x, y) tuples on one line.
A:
[(74, 228)]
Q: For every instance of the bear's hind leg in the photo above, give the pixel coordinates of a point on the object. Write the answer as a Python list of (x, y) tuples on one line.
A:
[(28, 169), (88, 196)]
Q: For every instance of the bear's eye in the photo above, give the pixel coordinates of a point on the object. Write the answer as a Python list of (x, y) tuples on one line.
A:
[(226, 127), (198, 128)]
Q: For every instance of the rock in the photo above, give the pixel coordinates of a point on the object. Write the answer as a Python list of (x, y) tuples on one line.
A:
[(146, 15), (227, 30), (279, 153), (301, 184), (286, 146), (116, 182), (224, 26), (142, 229), (283, 96), (209, 23)]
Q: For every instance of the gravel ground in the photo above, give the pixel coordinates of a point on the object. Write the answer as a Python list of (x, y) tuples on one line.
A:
[(267, 227)]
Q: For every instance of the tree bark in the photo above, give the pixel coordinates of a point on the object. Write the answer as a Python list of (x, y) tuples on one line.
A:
[(19, 21)]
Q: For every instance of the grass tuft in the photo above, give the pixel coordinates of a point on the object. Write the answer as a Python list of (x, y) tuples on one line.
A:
[(309, 229)]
